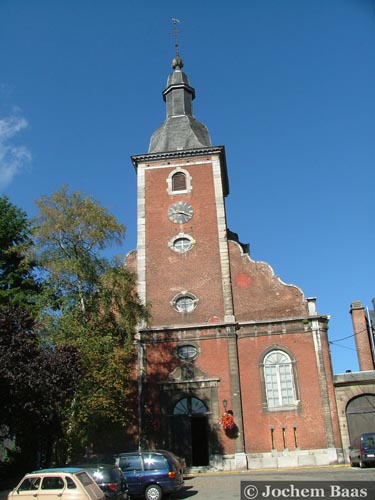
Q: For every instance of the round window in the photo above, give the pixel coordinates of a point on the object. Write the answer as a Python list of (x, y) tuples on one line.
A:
[(185, 304), (187, 352), (182, 245)]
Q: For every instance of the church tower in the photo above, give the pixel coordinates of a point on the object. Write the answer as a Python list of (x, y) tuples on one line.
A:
[(234, 367)]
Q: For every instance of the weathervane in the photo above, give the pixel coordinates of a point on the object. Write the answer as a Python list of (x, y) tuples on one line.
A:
[(177, 61)]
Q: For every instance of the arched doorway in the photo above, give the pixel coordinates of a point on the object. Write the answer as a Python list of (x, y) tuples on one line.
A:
[(190, 430), (360, 415)]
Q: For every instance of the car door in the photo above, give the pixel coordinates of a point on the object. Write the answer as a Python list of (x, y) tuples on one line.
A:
[(132, 468), (51, 488)]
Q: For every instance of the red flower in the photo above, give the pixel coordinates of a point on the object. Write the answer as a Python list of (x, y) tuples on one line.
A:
[(227, 421)]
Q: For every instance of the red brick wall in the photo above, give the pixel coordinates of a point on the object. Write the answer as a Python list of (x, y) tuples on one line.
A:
[(303, 427), (307, 418), (361, 337), (260, 295), (198, 270)]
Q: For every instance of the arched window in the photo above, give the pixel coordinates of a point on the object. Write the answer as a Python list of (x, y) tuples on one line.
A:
[(279, 380), (190, 406), (179, 181)]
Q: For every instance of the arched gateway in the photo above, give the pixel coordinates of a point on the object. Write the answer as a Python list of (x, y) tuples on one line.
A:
[(360, 415)]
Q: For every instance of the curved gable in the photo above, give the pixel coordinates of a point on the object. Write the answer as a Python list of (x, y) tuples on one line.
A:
[(258, 294)]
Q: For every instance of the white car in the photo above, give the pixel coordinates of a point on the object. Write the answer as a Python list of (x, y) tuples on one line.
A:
[(66, 483)]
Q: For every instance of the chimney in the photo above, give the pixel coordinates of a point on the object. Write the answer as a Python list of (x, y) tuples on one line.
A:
[(361, 336)]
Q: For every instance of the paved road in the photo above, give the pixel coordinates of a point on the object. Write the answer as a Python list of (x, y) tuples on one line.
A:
[(226, 486)]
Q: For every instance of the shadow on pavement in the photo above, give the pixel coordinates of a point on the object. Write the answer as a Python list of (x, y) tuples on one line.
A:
[(185, 492)]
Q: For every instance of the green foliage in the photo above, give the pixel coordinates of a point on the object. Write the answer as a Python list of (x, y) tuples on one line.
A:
[(37, 384), (70, 232), (91, 304), (18, 285)]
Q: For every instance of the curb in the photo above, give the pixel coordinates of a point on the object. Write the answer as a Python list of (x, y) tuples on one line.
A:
[(199, 472)]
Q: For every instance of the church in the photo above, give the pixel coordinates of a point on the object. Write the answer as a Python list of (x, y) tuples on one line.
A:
[(234, 368)]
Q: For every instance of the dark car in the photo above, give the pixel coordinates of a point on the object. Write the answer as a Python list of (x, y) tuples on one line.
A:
[(362, 450), (110, 479), (151, 474)]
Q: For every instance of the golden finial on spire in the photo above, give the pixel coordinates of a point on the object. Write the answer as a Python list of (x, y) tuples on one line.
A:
[(177, 61)]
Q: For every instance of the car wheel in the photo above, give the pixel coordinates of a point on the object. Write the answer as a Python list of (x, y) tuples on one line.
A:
[(153, 492)]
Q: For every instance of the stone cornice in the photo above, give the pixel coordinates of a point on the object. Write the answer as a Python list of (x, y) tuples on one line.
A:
[(354, 378), (187, 153), (177, 154)]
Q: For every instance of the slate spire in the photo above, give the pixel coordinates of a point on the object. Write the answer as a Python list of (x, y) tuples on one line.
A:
[(180, 130)]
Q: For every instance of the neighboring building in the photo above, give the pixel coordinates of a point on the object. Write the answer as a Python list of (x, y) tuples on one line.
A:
[(355, 391), (363, 326), (226, 336)]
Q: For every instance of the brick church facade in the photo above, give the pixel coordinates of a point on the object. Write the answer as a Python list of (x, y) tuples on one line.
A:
[(234, 367)]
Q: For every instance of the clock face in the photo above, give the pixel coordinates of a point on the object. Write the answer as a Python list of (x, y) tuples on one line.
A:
[(180, 212)]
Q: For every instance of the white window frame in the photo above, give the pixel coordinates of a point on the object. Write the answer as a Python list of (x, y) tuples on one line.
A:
[(188, 182), (184, 295), (181, 236), (279, 380)]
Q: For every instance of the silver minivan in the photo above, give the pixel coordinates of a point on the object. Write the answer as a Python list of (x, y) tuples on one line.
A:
[(67, 483), (362, 450)]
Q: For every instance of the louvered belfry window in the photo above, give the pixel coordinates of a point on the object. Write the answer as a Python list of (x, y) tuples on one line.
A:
[(179, 182)]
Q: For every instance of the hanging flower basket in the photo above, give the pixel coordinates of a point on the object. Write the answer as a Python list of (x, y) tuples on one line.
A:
[(227, 421)]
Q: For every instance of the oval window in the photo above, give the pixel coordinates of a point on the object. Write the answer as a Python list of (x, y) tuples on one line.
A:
[(187, 352), (185, 304), (182, 244)]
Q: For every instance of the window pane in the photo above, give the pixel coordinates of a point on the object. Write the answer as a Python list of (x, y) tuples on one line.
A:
[(191, 405), (185, 304), (197, 406), (52, 483), (181, 407), (71, 484), (154, 462), (182, 244), (187, 351), (278, 377), (30, 483), (84, 478), (179, 182), (131, 462)]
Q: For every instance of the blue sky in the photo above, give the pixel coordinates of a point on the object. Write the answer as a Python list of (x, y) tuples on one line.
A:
[(287, 86)]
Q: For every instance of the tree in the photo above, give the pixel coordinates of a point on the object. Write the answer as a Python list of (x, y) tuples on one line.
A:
[(18, 285), (71, 230), (90, 303), (38, 380), (37, 383)]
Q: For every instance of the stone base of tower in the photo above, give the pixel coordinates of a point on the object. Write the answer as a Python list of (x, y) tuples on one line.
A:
[(277, 459)]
